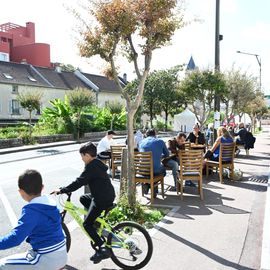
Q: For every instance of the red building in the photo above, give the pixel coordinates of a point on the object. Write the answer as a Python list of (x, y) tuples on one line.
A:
[(17, 44)]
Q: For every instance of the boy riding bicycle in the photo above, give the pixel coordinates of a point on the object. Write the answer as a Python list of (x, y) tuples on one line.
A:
[(40, 225), (100, 198)]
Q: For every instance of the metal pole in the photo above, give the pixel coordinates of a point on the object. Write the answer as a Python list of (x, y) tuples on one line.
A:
[(217, 62), (259, 60)]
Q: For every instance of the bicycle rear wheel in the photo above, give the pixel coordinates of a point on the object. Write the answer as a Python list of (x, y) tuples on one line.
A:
[(131, 245), (67, 234)]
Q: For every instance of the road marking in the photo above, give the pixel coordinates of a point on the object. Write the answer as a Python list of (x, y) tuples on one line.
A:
[(11, 214)]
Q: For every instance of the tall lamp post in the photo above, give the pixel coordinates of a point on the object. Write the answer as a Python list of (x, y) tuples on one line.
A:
[(259, 62), (218, 38)]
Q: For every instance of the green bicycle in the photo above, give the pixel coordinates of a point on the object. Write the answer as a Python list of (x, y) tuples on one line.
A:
[(130, 244)]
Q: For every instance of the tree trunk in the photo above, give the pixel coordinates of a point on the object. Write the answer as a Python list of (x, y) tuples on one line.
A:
[(124, 170), (30, 124), (131, 188), (166, 120)]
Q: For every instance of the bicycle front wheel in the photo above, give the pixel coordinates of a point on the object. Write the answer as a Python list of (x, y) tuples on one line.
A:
[(131, 245)]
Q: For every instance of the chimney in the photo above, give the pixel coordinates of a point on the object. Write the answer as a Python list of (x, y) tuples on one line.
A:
[(57, 67), (125, 77)]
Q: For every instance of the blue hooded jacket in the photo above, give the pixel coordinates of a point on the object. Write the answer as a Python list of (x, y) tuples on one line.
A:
[(39, 225)]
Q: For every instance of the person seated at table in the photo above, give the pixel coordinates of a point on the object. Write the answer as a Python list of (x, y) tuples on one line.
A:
[(159, 150), (104, 146), (138, 137), (242, 132), (210, 134), (241, 140), (223, 137), (196, 136), (175, 145)]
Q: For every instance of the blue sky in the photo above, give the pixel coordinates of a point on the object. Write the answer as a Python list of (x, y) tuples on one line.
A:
[(244, 24)]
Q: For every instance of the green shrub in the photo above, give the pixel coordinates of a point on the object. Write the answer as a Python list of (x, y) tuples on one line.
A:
[(12, 132), (147, 217)]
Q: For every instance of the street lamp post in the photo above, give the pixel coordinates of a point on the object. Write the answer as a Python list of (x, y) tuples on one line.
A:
[(218, 38), (259, 60)]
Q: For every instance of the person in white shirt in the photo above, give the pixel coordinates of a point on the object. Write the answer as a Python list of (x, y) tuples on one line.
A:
[(104, 145), (138, 137)]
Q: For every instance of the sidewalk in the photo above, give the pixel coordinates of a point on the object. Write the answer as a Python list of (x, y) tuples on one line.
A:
[(222, 232)]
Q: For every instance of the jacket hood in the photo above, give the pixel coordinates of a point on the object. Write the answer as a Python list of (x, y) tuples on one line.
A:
[(45, 205), (97, 163)]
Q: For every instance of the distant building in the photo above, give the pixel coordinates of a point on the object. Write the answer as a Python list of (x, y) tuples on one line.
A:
[(25, 66), (53, 83), (17, 44), (191, 64)]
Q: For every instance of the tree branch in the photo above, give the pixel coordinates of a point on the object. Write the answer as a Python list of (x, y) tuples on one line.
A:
[(135, 57)]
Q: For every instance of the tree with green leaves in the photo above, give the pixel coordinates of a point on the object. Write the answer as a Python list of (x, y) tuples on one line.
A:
[(169, 98), (256, 108), (30, 101), (200, 87), (241, 89), (117, 23), (79, 99), (150, 98), (115, 108)]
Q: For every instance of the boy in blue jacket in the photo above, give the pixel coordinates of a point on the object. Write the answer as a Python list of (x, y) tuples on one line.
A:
[(40, 225)]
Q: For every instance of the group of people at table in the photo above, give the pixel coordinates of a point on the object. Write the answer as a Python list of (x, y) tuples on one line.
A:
[(166, 156)]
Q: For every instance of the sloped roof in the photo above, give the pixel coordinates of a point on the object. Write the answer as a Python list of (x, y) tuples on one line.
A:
[(63, 79), (20, 74), (103, 83), (50, 78)]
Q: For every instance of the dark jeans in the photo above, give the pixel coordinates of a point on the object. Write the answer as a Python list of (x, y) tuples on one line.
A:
[(238, 141), (93, 212)]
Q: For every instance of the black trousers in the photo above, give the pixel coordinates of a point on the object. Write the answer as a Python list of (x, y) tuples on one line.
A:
[(93, 212)]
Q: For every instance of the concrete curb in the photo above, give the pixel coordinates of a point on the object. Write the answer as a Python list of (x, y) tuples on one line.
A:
[(35, 146), (265, 256), (166, 218)]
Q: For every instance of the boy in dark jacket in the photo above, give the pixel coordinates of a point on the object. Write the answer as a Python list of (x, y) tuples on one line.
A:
[(100, 198)]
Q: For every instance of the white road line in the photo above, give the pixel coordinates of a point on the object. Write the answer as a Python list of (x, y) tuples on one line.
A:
[(11, 214)]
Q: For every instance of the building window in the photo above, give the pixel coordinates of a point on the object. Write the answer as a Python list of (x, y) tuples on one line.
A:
[(7, 76), (15, 106), (32, 79), (15, 89), (4, 57)]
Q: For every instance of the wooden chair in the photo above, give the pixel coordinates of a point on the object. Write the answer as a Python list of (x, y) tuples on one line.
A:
[(144, 173), (116, 157), (226, 160), (187, 145), (191, 169)]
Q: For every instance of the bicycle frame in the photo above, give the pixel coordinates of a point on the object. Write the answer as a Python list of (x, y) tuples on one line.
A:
[(76, 212)]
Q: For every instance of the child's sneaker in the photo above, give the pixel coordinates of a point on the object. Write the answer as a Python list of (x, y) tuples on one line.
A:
[(101, 254)]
